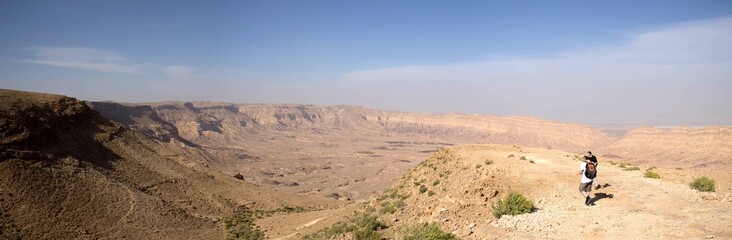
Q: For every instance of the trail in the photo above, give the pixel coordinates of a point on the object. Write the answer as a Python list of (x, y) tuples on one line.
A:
[(631, 206)]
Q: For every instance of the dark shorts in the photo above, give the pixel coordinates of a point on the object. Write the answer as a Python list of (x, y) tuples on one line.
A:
[(585, 187)]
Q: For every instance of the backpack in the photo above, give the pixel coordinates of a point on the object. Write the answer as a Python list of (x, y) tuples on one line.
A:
[(590, 170)]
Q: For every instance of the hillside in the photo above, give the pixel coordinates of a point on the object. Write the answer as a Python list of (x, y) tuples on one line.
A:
[(678, 147), (458, 186), (342, 152), (68, 173)]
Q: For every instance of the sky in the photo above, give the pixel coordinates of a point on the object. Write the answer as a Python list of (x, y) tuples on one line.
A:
[(594, 62)]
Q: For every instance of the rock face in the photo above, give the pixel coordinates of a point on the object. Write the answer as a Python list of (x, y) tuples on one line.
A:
[(678, 147), (66, 172), (212, 122)]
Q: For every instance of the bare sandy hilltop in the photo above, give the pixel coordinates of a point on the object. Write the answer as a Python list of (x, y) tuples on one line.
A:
[(202, 170)]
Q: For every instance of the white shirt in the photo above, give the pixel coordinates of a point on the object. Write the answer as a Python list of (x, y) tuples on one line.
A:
[(582, 167)]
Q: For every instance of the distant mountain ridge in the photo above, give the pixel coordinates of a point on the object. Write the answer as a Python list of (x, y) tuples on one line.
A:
[(202, 122)]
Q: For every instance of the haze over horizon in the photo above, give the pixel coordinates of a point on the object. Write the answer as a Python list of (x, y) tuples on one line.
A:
[(620, 62)]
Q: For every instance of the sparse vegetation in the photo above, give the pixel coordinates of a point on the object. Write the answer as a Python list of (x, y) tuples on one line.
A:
[(430, 231), (241, 226), (488, 162), (532, 161), (651, 169), (511, 156), (361, 226), (430, 193), (387, 207), (703, 184), (651, 174), (678, 168), (420, 182), (623, 165), (631, 168), (513, 204), (523, 157), (437, 181), (612, 163), (422, 189), (477, 166)]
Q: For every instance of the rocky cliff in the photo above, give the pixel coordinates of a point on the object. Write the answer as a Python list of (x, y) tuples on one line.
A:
[(682, 147)]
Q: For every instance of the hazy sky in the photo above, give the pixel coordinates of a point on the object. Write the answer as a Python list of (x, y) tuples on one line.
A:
[(635, 62)]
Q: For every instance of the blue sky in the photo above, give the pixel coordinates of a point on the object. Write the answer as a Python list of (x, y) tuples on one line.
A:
[(649, 62)]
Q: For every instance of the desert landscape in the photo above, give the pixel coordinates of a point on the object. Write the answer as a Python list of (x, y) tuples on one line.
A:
[(76, 169), (365, 120)]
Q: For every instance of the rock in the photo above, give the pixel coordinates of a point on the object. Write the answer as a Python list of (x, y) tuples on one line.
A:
[(708, 237), (472, 225)]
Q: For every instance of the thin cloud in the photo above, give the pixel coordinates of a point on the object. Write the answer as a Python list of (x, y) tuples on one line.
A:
[(676, 73), (693, 48), (179, 72), (83, 58)]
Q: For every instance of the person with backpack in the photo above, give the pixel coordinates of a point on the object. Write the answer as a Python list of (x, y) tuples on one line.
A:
[(588, 172), (593, 159)]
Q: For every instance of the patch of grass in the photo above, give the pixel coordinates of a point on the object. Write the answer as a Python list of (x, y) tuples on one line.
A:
[(488, 162), (387, 207), (477, 166), (422, 189), (417, 183), (511, 156), (437, 181), (360, 226), (428, 231), (523, 157), (703, 184), (513, 204), (430, 193), (241, 226), (651, 174), (631, 168)]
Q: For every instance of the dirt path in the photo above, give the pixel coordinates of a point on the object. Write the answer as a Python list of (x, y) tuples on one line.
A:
[(631, 207)]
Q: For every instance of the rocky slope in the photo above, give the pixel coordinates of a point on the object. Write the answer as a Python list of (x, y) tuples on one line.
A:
[(68, 173), (677, 147), (458, 186)]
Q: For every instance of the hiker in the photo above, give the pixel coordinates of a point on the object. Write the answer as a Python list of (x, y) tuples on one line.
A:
[(588, 172), (593, 159)]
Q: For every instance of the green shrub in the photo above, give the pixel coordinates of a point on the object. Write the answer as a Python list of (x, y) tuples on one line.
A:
[(488, 162), (431, 231), (678, 168), (523, 158), (422, 189), (437, 181), (532, 161), (362, 226), (622, 165), (513, 204), (631, 168), (510, 156), (703, 184), (478, 166), (651, 174), (241, 226), (430, 193), (387, 207)]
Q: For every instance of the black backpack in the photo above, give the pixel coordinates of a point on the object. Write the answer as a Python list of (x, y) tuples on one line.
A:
[(590, 170)]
